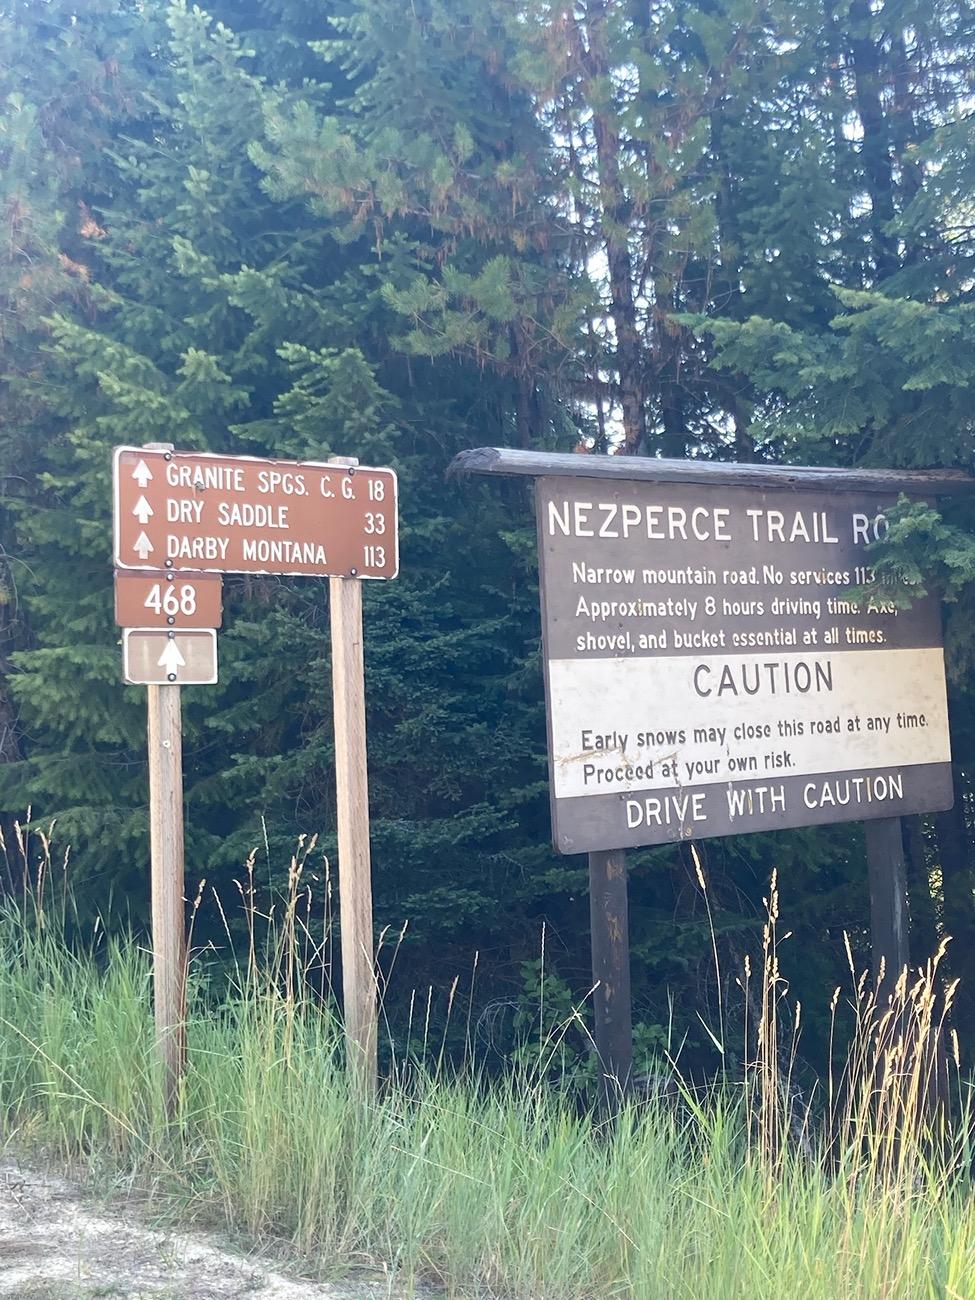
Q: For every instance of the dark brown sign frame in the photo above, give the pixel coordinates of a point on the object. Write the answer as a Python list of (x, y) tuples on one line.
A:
[(607, 864), (708, 674), (597, 479)]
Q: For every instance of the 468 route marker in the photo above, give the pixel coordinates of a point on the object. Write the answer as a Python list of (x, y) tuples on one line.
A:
[(163, 599)]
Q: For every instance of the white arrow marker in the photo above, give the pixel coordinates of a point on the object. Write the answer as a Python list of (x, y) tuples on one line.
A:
[(142, 510), (142, 546), (142, 474), (171, 659)]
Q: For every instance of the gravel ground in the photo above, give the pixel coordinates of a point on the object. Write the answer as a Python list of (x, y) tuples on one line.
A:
[(58, 1242)]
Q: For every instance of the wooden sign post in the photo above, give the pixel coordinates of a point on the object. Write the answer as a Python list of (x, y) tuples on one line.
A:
[(182, 519), (166, 849), (610, 940), (889, 917), (352, 805)]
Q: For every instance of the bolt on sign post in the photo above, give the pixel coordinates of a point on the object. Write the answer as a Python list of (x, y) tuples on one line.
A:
[(182, 519), (712, 667)]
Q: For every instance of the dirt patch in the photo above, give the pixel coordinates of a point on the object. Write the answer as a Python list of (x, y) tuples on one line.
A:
[(57, 1243)]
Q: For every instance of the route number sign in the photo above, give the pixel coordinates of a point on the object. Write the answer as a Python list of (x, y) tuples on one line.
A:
[(165, 599), (195, 512)]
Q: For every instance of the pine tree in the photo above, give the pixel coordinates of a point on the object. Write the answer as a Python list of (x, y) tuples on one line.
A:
[(70, 78), (229, 318), (883, 375), (395, 231), (438, 157)]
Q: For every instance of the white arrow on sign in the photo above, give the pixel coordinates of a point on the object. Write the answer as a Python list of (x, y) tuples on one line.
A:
[(142, 510), (142, 474), (142, 546), (171, 659)]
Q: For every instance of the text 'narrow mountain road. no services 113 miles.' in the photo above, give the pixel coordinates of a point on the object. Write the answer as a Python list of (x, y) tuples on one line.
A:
[(237, 514)]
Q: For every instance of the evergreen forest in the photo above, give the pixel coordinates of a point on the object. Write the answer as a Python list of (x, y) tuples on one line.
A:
[(734, 230)]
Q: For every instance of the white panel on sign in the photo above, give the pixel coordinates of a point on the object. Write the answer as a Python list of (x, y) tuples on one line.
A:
[(155, 656), (707, 721)]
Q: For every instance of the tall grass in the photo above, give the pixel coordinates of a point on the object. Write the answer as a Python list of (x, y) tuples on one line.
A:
[(498, 1188)]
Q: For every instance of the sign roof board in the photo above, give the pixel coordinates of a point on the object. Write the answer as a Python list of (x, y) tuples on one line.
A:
[(191, 511), (661, 469), (712, 667), (163, 599), (179, 657)]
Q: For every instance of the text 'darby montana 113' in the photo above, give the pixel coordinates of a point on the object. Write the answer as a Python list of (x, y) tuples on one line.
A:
[(721, 660)]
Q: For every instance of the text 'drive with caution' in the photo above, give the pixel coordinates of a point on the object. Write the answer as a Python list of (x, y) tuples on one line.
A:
[(721, 660), (187, 511)]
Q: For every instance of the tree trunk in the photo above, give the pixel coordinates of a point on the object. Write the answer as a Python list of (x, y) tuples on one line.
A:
[(12, 872), (667, 359), (729, 245), (614, 219), (875, 152)]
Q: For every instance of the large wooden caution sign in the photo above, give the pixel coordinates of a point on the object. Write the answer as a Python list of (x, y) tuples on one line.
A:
[(718, 660), (713, 666), (238, 514)]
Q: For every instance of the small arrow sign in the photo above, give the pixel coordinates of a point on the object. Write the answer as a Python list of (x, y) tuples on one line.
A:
[(142, 546), (158, 657), (171, 659), (142, 510), (142, 474)]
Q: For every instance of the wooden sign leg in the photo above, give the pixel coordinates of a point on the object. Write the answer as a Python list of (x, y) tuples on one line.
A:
[(889, 931), (889, 917), (168, 923), (609, 922), (352, 794)]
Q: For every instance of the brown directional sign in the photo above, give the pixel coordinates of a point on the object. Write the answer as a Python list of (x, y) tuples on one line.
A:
[(179, 657), (163, 599), (713, 665), (189, 511)]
